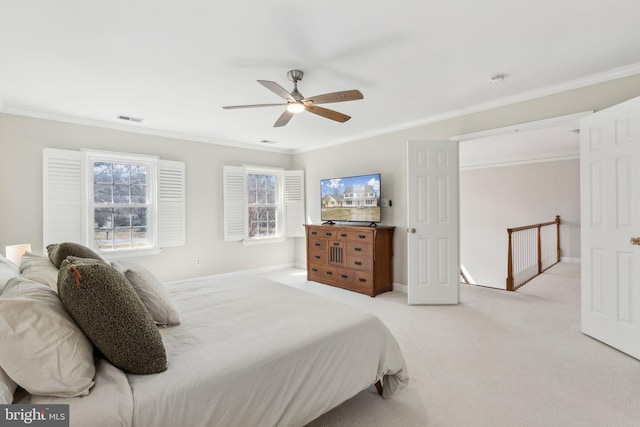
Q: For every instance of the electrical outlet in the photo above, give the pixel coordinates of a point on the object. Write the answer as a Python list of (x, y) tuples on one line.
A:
[(384, 203), (197, 262)]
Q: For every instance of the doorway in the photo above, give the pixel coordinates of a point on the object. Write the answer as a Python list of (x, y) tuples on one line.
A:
[(516, 176)]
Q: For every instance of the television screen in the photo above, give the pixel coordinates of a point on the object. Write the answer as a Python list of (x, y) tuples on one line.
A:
[(354, 198)]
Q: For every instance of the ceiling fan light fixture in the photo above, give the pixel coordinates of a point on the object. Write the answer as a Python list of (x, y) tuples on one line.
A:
[(295, 107), (297, 103)]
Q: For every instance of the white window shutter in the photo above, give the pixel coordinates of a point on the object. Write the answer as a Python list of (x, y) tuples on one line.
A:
[(235, 193), (63, 197), (294, 203), (171, 204)]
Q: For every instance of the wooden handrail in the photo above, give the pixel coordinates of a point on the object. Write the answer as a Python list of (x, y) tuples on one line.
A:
[(510, 278), (527, 227)]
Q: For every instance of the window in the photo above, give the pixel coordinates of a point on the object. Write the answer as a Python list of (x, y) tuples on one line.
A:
[(113, 202), (121, 206), (262, 204)]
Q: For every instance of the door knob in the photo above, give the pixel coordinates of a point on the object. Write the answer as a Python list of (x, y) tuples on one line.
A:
[(635, 241), (411, 230)]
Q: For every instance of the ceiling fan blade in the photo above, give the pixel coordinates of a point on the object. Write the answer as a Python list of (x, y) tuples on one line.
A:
[(277, 89), (329, 114), (347, 95), (283, 119), (231, 107)]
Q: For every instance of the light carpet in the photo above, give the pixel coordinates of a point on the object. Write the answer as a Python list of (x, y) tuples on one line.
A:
[(497, 359)]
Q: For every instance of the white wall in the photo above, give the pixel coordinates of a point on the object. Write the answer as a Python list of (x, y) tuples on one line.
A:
[(494, 199), (22, 140)]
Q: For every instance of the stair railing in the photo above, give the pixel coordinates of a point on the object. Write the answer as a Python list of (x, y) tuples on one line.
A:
[(532, 250)]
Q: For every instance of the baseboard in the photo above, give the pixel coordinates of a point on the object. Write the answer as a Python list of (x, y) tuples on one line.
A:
[(400, 288), (569, 259)]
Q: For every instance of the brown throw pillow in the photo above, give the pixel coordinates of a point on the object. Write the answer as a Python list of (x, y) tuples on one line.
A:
[(106, 307), (59, 251)]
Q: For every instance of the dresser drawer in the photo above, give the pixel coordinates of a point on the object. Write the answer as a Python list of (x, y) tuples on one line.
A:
[(327, 233), (314, 232), (346, 277), (324, 232), (359, 249), (364, 280), (355, 280), (359, 263), (317, 244), (355, 235), (318, 257), (323, 273)]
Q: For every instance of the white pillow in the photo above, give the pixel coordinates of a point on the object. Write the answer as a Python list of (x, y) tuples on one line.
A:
[(39, 269), (152, 292), (7, 388), (7, 270), (43, 350)]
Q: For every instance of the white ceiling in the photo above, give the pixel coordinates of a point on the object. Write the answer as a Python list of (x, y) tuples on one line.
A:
[(176, 63)]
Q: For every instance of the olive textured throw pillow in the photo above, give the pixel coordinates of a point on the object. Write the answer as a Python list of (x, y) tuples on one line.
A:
[(106, 307), (59, 251)]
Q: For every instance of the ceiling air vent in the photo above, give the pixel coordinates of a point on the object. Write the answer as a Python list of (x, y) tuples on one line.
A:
[(131, 119)]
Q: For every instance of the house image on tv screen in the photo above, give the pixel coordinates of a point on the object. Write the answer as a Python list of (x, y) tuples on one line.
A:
[(360, 195)]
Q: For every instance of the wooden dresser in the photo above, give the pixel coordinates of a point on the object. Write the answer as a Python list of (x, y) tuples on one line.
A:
[(351, 257)]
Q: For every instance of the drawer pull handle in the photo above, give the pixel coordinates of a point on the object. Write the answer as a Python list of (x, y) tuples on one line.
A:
[(314, 232), (343, 235), (336, 244), (315, 270), (344, 276), (362, 236), (362, 280), (357, 263), (317, 256), (357, 249), (317, 244), (329, 273), (328, 234)]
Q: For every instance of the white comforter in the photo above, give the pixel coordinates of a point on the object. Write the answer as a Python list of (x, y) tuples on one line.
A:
[(249, 352)]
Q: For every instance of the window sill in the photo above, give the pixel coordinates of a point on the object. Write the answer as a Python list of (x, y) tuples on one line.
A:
[(128, 253), (263, 241)]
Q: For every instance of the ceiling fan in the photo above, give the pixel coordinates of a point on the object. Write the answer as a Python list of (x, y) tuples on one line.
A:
[(296, 103)]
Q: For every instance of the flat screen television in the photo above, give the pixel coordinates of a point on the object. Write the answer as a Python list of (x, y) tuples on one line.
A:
[(350, 199)]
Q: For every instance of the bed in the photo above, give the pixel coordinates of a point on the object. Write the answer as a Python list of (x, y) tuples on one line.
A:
[(248, 352)]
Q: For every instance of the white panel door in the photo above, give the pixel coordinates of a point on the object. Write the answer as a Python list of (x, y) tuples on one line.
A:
[(610, 223), (433, 223)]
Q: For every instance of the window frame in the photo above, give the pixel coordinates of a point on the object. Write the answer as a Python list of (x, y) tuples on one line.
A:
[(94, 156)]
